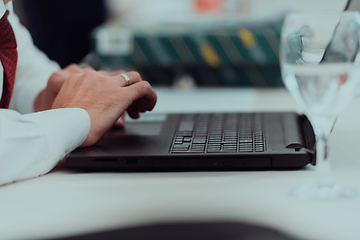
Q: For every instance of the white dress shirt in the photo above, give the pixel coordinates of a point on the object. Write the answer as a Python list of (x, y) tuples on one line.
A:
[(31, 144)]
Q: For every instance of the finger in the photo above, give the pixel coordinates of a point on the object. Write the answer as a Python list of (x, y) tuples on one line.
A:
[(120, 122), (138, 106), (87, 69), (133, 113), (143, 96), (134, 77), (104, 73), (117, 72), (56, 81), (59, 76), (74, 68), (113, 73)]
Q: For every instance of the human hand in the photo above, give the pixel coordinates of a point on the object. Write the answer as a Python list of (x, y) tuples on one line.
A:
[(45, 98), (105, 98), (121, 121)]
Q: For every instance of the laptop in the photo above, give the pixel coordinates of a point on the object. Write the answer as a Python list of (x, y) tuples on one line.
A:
[(203, 142)]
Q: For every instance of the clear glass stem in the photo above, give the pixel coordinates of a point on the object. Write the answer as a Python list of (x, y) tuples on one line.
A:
[(323, 165), (323, 186)]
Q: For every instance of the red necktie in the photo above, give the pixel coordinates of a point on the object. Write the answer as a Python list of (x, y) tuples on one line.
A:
[(8, 58)]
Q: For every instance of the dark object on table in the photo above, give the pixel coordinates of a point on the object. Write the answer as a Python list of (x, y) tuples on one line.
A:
[(62, 29), (203, 142), (188, 231)]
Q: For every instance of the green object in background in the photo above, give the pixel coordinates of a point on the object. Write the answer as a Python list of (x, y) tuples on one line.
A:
[(222, 55)]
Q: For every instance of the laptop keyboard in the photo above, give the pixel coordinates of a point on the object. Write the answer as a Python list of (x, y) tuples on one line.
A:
[(219, 133)]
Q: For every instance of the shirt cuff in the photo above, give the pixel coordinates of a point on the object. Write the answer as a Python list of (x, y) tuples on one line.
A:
[(65, 128)]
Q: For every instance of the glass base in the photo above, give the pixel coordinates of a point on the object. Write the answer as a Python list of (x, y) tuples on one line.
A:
[(314, 190)]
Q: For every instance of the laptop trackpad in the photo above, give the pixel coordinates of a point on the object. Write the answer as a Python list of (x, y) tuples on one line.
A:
[(138, 129), (146, 125)]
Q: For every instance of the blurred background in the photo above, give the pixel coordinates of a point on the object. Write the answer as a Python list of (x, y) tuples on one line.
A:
[(183, 43)]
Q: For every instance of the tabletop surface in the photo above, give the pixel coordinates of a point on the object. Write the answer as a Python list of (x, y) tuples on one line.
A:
[(66, 202)]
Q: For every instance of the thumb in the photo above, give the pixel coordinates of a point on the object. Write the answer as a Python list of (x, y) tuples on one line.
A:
[(143, 90)]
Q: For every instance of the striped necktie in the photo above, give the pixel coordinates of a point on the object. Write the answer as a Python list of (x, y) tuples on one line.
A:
[(8, 58)]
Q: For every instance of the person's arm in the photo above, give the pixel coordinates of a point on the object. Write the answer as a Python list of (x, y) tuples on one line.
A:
[(32, 144), (34, 69), (88, 104)]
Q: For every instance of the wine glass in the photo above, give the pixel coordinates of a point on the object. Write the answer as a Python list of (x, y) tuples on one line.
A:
[(320, 68)]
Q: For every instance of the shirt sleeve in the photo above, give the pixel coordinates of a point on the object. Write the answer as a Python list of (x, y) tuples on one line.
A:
[(34, 69), (32, 144)]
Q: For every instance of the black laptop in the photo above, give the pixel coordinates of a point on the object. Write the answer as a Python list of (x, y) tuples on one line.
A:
[(203, 142)]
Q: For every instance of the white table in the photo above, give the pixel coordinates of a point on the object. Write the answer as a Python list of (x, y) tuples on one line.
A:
[(67, 202)]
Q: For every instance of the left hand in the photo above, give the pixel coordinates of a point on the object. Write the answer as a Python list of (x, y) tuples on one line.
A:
[(46, 97)]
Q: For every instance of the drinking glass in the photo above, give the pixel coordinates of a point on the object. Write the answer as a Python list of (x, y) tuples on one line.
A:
[(320, 68)]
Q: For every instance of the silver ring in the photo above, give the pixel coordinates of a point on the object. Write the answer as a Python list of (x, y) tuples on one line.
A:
[(127, 79)]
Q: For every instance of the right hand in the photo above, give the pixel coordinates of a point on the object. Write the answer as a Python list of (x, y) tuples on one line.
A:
[(105, 98)]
